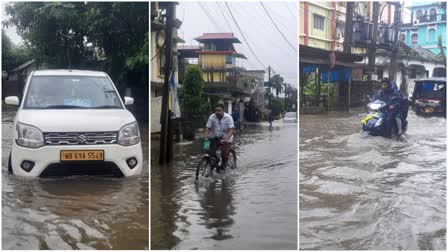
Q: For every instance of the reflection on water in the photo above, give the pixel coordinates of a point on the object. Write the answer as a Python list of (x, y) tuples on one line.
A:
[(371, 193), (253, 207), (75, 212)]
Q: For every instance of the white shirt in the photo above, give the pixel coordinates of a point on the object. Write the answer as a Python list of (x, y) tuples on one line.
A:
[(220, 128)]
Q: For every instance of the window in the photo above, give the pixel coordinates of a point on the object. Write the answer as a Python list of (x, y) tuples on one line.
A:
[(229, 59), (380, 74), (413, 73), (403, 38), (431, 35), (340, 28), (433, 15), (319, 22), (414, 38), (419, 14), (439, 72), (209, 46)]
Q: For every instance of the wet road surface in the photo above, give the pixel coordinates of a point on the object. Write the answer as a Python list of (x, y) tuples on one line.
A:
[(254, 207), (81, 212), (371, 193)]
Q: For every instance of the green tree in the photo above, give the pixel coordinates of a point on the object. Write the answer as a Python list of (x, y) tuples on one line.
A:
[(192, 95), (13, 55), (109, 36), (277, 107), (277, 84)]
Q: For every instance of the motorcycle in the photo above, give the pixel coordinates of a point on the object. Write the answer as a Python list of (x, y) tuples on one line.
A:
[(379, 121)]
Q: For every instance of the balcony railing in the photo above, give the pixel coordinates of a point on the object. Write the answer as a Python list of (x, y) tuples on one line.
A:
[(226, 79), (430, 18)]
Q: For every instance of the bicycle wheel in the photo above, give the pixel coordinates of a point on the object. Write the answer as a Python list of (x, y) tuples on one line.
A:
[(204, 168), (232, 159)]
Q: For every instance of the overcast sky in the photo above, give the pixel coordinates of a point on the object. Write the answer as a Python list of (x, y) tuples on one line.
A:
[(11, 31), (264, 39)]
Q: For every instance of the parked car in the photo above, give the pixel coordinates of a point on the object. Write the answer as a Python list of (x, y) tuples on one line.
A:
[(71, 120), (429, 96), (290, 117)]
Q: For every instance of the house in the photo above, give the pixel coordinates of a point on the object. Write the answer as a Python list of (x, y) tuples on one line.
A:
[(222, 68), (322, 24), (428, 24), (13, 81), (257, 88), (321, 38)]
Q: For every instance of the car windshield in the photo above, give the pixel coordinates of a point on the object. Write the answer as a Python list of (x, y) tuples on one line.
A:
[(290, 115), (71, 92)]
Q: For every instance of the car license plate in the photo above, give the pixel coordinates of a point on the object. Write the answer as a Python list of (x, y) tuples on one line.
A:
[(429, 110), (82, 155)]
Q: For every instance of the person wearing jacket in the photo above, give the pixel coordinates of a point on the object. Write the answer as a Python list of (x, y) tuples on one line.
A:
[(395, 101)]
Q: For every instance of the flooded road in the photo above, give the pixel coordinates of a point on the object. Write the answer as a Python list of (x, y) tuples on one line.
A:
[(371, 193), (254, 207), (74, 212)]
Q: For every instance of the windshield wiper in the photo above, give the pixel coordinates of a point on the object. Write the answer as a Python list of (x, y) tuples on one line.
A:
[(66, 107), (106, 107)]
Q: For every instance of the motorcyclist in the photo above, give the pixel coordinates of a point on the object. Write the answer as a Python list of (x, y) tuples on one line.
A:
[(396, 102)]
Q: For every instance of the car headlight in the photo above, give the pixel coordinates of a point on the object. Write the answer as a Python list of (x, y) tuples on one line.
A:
[(29, 136), (129, 134)]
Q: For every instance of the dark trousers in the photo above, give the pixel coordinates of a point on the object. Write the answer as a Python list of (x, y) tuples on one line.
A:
[(225, 149)]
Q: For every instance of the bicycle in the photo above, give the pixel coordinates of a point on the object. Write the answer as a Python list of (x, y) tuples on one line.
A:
[(208, 163)]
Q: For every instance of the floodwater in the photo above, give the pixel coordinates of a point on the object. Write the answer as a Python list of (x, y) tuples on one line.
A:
[(79, 212), (253, 207), (371, 193)]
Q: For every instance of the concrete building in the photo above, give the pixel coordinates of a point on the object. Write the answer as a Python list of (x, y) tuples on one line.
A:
[(257, 87), (321, 39), (428, 23), (222, 68), (322, 24)]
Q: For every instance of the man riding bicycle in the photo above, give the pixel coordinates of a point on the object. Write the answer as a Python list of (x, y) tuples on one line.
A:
[(221, 125)]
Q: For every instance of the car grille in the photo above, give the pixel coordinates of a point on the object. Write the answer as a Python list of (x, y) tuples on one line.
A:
[(83, 138), (94, 168)]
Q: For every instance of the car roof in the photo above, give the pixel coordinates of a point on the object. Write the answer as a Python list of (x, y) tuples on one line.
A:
[(66, 72), (436, 79)]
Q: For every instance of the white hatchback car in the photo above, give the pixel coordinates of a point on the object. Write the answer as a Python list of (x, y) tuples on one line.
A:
[(72, 119), (290, 117)]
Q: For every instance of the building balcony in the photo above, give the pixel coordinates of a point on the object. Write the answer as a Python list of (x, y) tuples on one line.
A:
[(225, 81), (429, 19)]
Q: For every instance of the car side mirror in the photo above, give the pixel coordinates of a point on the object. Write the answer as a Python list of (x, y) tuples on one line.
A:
[(128, 100), (12, 100)]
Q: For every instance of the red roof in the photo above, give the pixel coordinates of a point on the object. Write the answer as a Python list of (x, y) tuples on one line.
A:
[(218, 36)]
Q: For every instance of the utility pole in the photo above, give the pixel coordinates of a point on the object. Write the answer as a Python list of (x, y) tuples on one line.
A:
[(270, 102), (165, 135), (372, 48), (396, 47), (348, 28)]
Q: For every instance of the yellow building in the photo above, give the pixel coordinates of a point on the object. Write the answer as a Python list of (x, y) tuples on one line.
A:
[(322, 24), (218, 57)]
